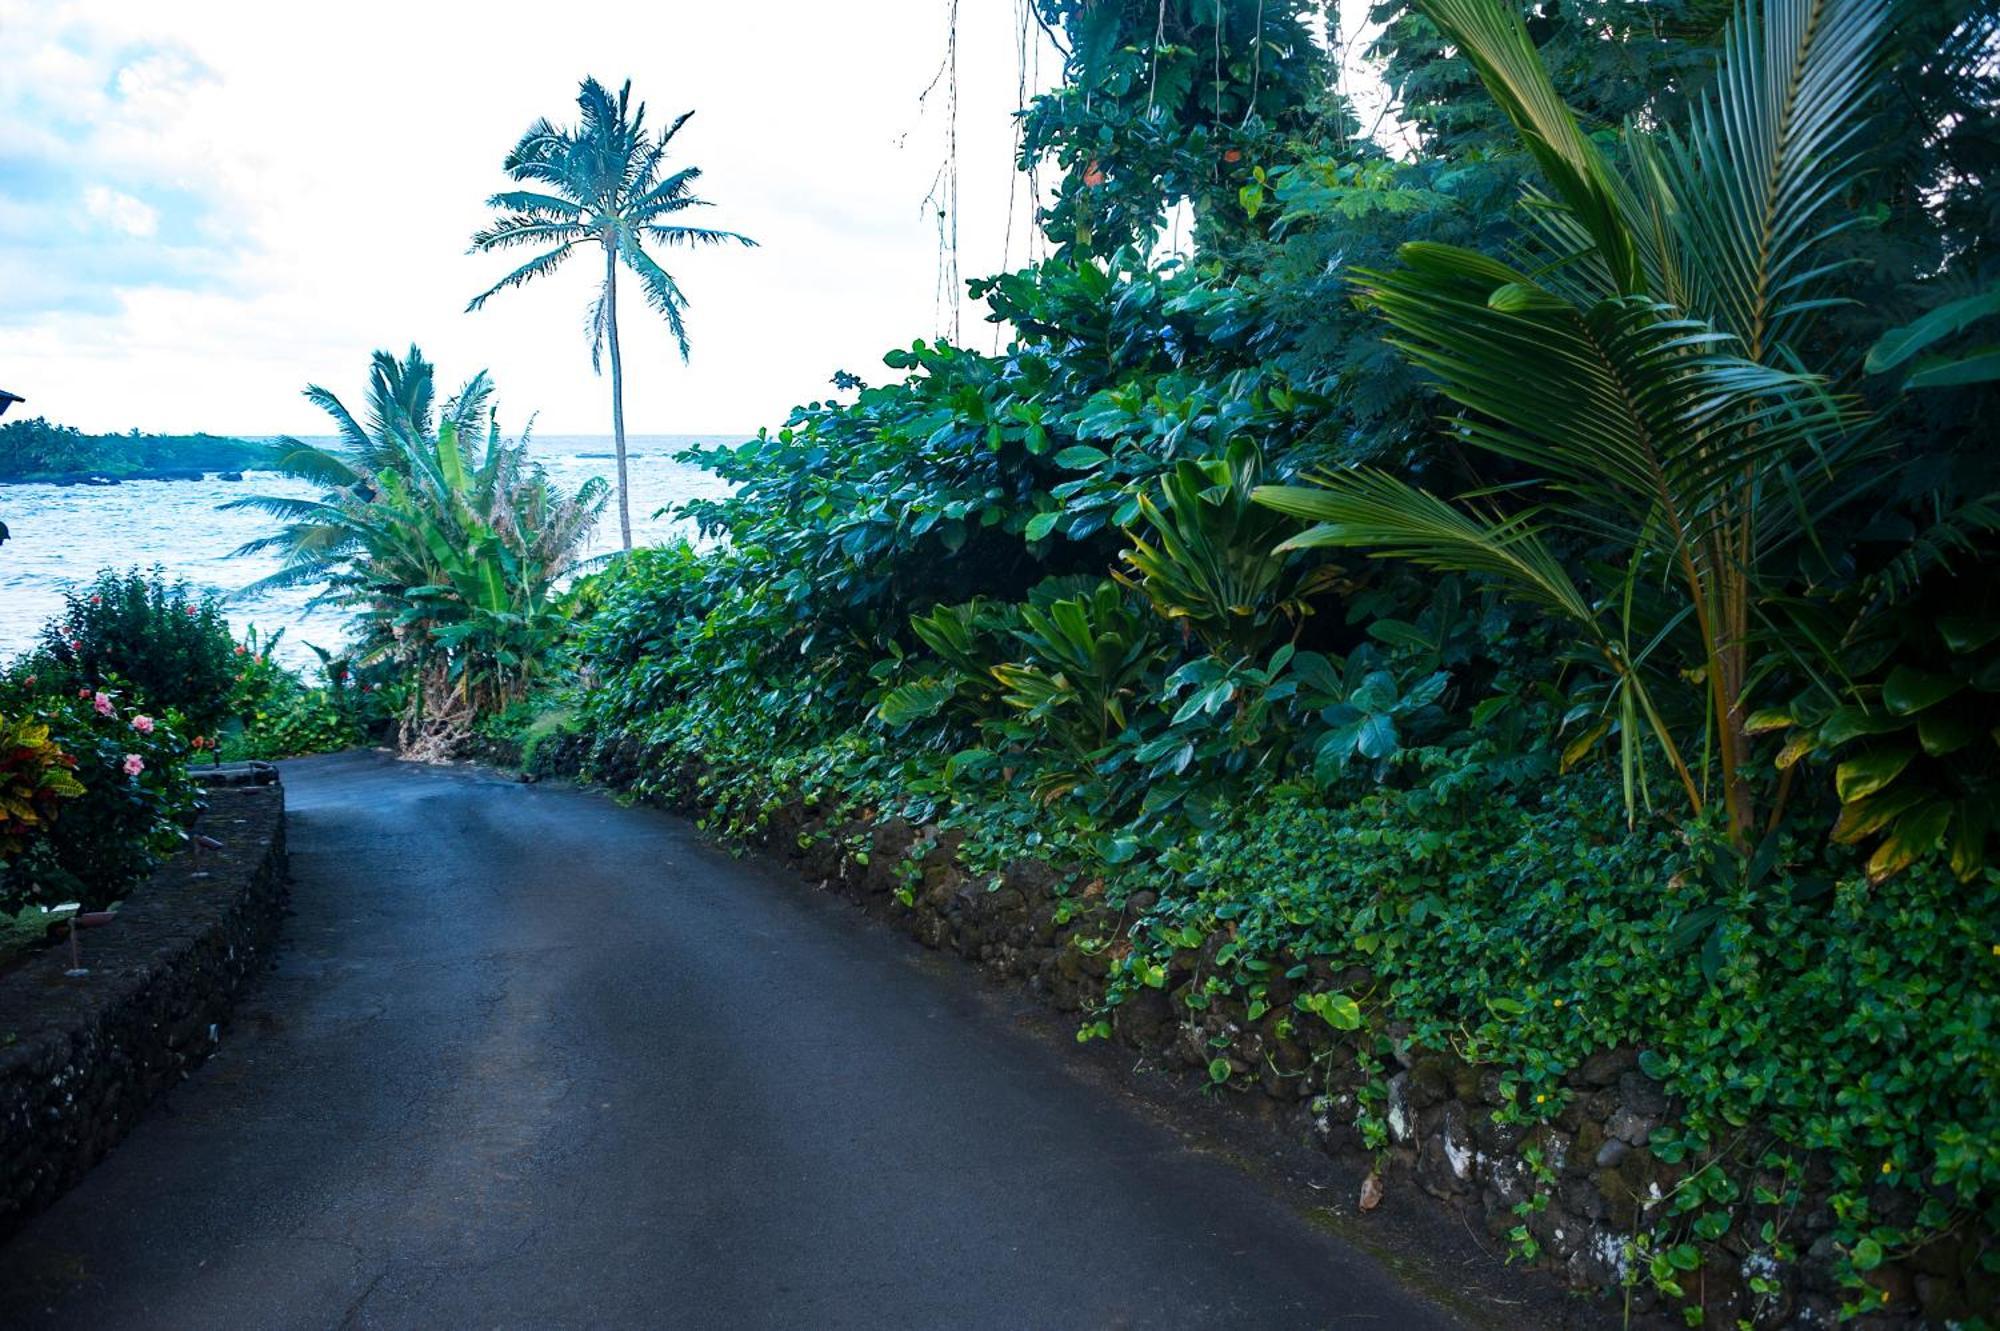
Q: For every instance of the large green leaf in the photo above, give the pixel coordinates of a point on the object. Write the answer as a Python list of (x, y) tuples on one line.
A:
[(1848, 723), (1976, 367), (1900, 344), (1941, 730), (917, 700), (1908, 690), (1866, 773)]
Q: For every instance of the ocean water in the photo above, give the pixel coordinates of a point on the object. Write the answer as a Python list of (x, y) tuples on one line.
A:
[(62, 535)]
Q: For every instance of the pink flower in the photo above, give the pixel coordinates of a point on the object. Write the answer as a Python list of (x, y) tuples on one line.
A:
[(143, 724), (190, 612), (83, 693), (103, 704), (97, 600), (76, 646), (29, 681), (134, 764)]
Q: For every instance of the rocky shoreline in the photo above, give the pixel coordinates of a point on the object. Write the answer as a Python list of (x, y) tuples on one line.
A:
[(101, 478)]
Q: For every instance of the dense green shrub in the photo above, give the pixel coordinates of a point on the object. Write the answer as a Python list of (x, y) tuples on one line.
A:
[(275, 712), (1528, 930), (293, 722), (150, 637), (1021, 595)]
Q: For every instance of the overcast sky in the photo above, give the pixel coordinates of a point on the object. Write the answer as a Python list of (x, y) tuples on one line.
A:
[(206, 204)]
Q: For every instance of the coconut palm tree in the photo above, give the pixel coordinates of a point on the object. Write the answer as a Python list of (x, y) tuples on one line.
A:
[(602, 182), (1642, 363)]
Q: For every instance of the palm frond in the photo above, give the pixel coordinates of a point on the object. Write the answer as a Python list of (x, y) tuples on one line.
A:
[(1495, 41), (696, 235), (1771, 151), (517, 230), (661, 291), (536, 267), (534, 203), (1629, 406), (1386, 516)]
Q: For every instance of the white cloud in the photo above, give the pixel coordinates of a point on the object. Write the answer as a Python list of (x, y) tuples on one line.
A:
[(312, 176), (292, 186), (121, 210)]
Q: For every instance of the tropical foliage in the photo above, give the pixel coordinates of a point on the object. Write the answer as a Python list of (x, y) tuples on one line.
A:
[(448, 551), (277, 712), (604, 182), (96, 795), (140, 632), (1646, 700), (34, 778), (39, 449)]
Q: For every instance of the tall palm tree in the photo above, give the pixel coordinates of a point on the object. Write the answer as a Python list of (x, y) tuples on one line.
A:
[(602, 182)]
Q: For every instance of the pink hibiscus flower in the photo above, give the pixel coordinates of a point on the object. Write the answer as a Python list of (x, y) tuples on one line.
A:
[(143, 724), (103, 704), (134, 764)]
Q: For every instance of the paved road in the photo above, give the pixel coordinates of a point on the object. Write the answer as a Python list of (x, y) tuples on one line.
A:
[(532, 1059)]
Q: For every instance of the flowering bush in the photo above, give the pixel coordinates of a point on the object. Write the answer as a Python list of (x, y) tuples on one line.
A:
[(277, 713), (139, 632), (125, 795)]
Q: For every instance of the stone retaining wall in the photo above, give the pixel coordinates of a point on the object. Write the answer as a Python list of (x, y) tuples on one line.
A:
[(82, 1057), (1591, 1167)]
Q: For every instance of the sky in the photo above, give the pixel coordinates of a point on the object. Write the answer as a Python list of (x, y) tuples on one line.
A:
[(207, 205)]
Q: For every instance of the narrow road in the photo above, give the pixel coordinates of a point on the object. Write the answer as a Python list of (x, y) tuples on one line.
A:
[(531, 1059)]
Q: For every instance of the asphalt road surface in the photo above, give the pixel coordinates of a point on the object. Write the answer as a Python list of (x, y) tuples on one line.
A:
[(531, 1059)]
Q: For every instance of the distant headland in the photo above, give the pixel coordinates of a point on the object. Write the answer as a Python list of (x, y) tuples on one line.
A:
[(37, 451)]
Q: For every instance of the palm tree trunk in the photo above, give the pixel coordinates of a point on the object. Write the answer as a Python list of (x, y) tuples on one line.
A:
[(617, 394)]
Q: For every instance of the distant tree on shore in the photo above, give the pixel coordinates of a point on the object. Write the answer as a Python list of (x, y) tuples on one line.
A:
[(601, 181)]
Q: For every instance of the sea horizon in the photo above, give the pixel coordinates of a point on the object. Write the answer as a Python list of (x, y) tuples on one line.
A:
[(63, 535)]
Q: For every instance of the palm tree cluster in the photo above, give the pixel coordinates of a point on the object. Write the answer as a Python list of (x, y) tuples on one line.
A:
[(450, 553)]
